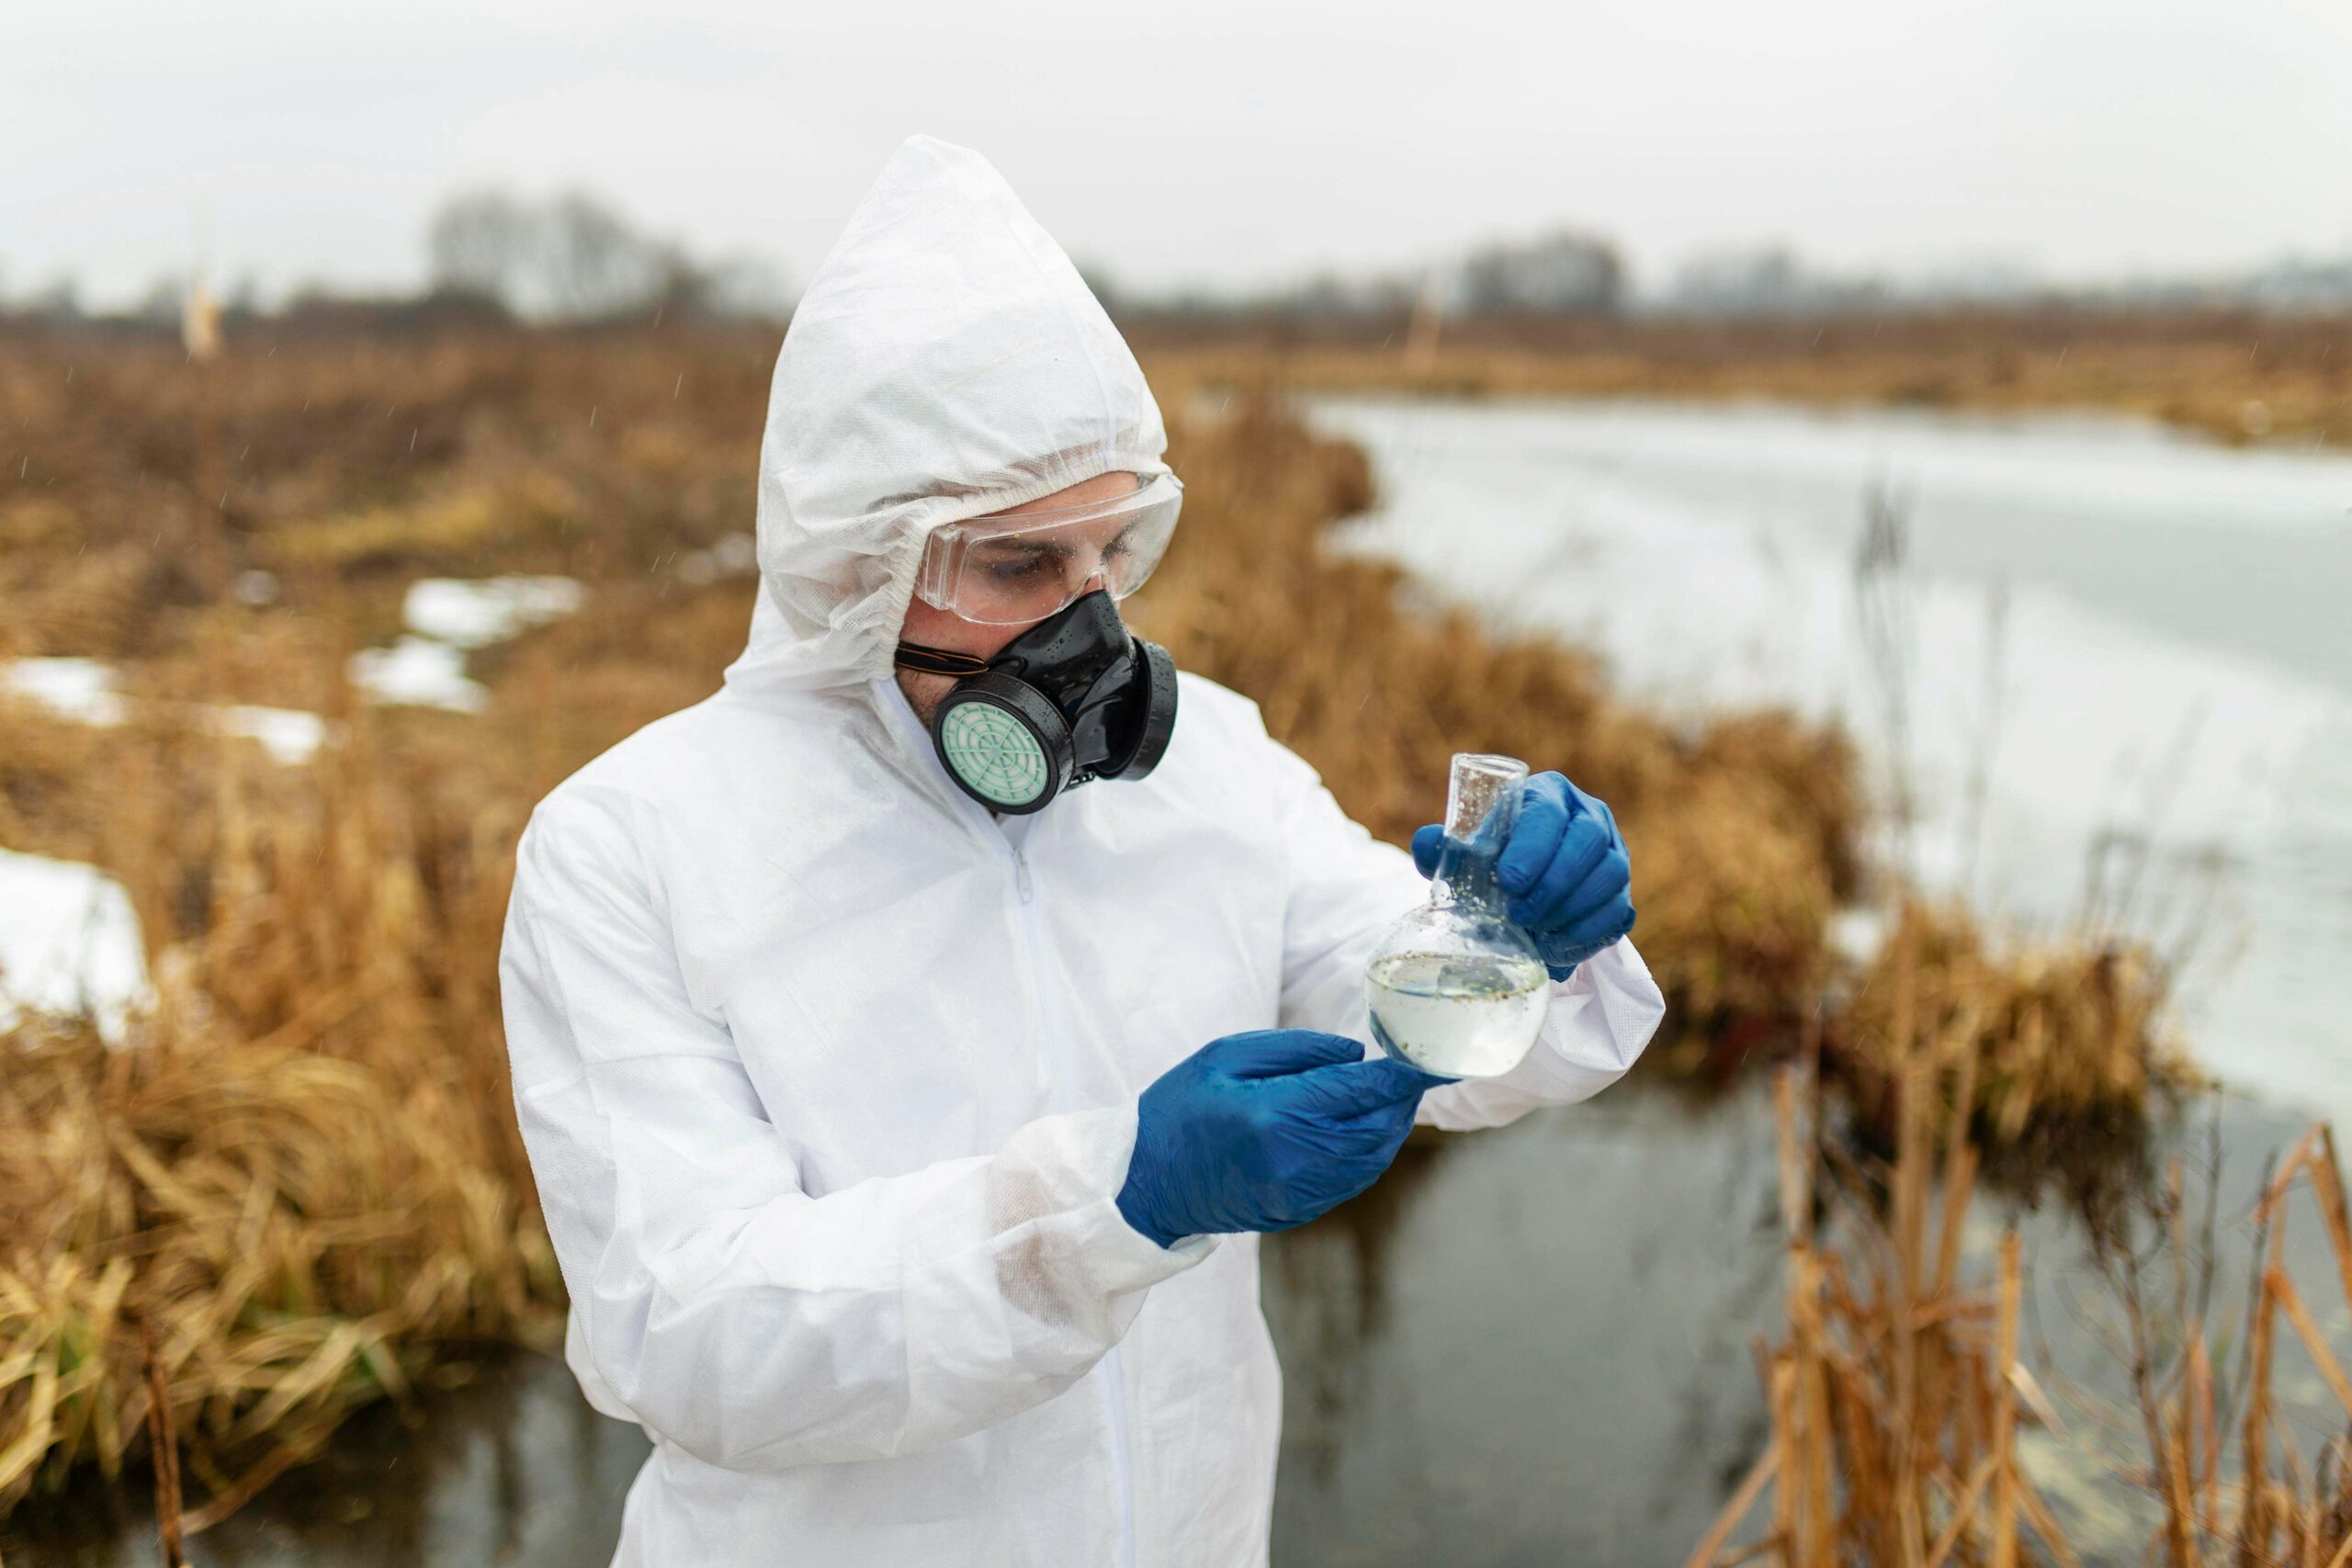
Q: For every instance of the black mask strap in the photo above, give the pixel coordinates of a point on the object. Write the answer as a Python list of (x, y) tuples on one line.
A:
[(938, 660)]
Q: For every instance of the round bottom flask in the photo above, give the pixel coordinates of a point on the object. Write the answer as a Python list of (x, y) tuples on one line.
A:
[(1454, 987)]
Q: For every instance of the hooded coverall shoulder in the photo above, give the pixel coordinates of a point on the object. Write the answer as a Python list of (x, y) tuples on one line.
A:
[(829, 1079)]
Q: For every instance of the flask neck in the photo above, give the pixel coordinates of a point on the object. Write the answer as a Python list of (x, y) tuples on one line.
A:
[(1481, 807), (1466, 877)]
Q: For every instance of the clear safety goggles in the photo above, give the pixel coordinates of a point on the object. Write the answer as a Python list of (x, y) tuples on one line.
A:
[(1015, 567)]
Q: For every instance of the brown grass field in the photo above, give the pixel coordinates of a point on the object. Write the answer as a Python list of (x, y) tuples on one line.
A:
[(2239, 376), (304, 1182)]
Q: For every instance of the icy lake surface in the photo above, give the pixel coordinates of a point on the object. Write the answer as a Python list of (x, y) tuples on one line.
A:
[(2134, 639)]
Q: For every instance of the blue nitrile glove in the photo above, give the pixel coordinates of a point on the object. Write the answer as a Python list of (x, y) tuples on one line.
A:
[(1265, 1131), (1565, 877)]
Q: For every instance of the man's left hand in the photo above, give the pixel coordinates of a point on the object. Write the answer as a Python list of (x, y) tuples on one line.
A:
[(1565, 876)]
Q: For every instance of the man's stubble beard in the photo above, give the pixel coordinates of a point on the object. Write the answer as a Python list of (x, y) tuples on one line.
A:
[(924, 690)]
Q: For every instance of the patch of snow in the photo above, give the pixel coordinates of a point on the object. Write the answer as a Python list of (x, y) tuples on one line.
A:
[(418, 672), (69, 943), (1856, 934), (81, 689), (466, 614), (445, 616), (289, 735), (86, 690), (735, 555)]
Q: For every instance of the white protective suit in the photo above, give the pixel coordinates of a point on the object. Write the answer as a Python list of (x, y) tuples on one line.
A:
[(829, 1077)]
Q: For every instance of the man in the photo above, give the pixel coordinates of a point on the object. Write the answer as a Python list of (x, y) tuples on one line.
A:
[(911, 1038)]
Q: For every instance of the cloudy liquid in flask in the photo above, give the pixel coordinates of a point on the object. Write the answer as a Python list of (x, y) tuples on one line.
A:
[(1454, 987), (1464, 1015)]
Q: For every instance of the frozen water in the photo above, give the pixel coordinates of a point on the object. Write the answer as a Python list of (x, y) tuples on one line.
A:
[(2136, 641)]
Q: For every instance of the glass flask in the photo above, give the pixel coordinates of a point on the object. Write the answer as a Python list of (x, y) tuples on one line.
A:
[(1454, 987)]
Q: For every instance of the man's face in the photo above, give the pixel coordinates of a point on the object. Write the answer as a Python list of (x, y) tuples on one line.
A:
[(928, 624)]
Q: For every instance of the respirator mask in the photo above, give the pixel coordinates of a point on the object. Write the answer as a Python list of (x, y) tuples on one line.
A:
[(1077, 697)]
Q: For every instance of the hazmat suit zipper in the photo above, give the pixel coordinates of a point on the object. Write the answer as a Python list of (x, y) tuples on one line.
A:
[(1109, 1377)]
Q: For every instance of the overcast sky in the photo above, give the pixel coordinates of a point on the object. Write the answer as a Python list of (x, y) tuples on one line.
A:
[(1225, 141)]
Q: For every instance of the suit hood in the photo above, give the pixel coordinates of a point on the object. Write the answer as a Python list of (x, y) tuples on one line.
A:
[(947, 361)]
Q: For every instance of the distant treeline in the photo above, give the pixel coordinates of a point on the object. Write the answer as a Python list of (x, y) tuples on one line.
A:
[(493, 259), (571, 258)]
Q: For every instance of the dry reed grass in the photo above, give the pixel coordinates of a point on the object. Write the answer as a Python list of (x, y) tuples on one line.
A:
[(1893, 1415), (2063, 1031), (1897, 1395), (302, 1177)]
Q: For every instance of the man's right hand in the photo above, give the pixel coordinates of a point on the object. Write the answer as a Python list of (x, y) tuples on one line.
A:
[(1265, 1131)]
